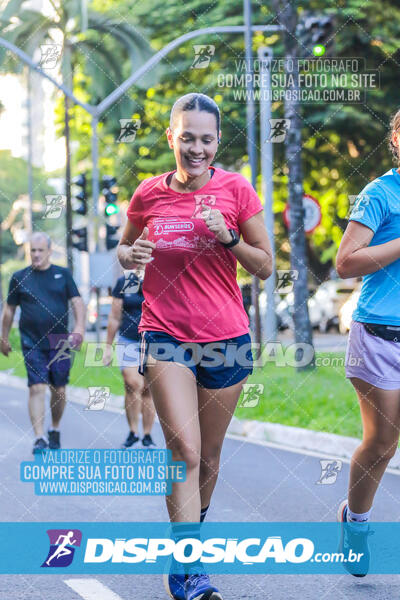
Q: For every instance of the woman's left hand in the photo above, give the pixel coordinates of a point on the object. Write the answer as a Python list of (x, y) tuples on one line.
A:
[(215, 222)]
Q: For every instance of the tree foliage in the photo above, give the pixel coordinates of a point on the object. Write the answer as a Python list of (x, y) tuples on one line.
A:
[(344, 145)]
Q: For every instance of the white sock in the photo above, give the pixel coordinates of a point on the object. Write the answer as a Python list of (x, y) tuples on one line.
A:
[(358, 517), (53, 429)]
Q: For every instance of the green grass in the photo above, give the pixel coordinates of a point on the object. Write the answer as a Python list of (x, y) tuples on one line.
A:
[(323, 399)]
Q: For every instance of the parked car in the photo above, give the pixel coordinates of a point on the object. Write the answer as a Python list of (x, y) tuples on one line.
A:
[(346, 311), (330, 297), (105, 308), (262, 303), (285, 311), (323, 306)]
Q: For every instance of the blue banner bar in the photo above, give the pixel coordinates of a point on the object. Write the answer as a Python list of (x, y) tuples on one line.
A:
[(145, 548)]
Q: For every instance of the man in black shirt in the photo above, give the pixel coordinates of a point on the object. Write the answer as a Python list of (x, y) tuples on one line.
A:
[(42, 291)]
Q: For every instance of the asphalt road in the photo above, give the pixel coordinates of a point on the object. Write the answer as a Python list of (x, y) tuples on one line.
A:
[(257, 483)]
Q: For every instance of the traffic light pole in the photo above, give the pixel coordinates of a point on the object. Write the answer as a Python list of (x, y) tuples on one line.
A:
[(251, 146), (265, 55), (68, 207), (93, 224), (93, 238)]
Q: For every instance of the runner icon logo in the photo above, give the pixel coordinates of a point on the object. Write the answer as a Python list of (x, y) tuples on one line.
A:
[(98, 397), (251, 394), (329, 471), (357, 205), (285, 280), (131, 283), (62, 547), (203, 54), (129, 128), (278, 130), (54, 206), (50, 55)]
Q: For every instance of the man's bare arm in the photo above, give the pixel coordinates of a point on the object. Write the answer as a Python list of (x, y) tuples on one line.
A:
[(6, 323)]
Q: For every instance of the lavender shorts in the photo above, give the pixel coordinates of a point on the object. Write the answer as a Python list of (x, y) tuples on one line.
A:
[(372, 359)]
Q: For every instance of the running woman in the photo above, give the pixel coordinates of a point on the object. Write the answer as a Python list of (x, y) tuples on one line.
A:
[(371, 247), (184, 227), (126, 310)]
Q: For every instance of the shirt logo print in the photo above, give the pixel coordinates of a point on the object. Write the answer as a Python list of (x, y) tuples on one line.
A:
[(201, 200)]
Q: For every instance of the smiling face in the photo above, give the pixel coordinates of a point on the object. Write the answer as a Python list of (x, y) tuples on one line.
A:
[(194, 141)]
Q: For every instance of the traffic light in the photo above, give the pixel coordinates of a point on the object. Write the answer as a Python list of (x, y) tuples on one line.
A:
[(80, 198), (110, 195), (111, 242), (316, 31), (82, 243)]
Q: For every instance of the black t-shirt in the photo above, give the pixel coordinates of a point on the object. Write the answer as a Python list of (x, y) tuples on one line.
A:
[(43, 297), (129, 290)]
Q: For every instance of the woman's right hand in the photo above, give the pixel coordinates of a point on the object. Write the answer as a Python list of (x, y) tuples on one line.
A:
[(141, 249)]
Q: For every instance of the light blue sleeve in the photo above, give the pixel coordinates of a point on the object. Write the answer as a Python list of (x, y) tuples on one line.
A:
[(370, 206)]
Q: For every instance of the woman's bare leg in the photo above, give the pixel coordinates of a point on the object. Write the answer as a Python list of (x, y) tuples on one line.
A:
[(174, 391), (148, 410), (216, 408), (380, 413), (134, 385)]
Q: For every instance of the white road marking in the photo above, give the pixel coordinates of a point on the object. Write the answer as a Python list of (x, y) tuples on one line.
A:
[(91, 589)]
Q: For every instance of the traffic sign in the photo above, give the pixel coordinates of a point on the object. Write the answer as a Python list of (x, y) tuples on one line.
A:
[(312, 213)]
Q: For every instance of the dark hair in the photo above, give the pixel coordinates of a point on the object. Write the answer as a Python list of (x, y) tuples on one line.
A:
[(194, 101), (394, 126)]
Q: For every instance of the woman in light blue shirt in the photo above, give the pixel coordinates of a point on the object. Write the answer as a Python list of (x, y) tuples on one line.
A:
[(371, 247)]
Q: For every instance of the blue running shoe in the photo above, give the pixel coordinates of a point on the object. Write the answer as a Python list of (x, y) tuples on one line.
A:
[(40, 446), (198, 587), (174, 581), (353, 542)]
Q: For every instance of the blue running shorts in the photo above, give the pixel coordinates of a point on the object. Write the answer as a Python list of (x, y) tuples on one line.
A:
[(215, 365), (43, 366)]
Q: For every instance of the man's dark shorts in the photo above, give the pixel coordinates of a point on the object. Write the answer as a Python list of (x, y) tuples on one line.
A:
[(43, 367), (236, 360)]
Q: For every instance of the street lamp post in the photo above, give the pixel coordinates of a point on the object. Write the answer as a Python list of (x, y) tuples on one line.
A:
[(265, 56)]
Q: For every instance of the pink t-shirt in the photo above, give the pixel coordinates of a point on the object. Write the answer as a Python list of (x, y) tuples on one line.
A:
[(190, 287)]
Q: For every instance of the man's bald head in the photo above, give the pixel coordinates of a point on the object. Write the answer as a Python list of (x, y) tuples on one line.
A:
[(40, 235), (40, 250)]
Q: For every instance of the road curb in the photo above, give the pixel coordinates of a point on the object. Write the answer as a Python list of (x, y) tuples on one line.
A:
[(329, 444)]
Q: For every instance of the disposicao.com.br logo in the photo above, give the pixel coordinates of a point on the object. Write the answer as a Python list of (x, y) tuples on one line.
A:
[(223, 547), (247, 551), (62, 547)]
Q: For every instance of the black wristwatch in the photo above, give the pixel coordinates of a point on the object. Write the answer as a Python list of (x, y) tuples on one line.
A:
[(235, 239)]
